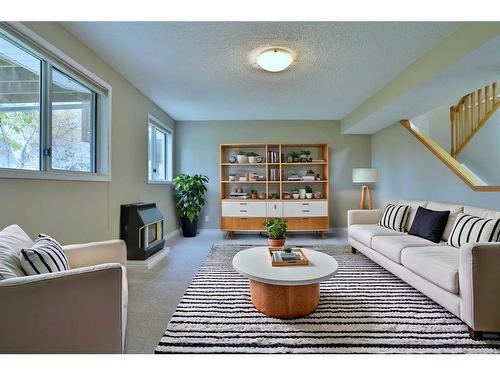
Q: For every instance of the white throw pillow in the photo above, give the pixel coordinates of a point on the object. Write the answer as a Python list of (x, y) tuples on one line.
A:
[(12, 241), (44, 256), (394, 217), (469, 228)]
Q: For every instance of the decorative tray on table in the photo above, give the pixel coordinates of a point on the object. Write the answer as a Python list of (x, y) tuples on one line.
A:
[(283, 256)]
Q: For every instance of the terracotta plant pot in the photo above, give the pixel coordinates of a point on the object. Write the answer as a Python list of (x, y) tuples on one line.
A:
[(276, 242), (254, 196)]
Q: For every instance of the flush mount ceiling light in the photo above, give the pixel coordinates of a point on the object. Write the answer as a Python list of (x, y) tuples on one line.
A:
[(274, 59)]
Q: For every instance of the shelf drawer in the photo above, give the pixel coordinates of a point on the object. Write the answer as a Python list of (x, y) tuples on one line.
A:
[(243, 223), (274, 209), (244, 209), (305, 209), (307, 223)]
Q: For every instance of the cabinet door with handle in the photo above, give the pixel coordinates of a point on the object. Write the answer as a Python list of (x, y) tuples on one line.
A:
[(243, 209), (274, 209)]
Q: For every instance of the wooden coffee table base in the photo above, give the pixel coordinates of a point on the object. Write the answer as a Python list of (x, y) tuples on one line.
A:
[(284, 301)]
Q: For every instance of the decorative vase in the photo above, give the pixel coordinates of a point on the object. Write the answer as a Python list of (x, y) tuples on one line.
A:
[(276, 242), (242, 159), (232, 159), (317, 195), (289, 159), (259, 159), (309, 195)]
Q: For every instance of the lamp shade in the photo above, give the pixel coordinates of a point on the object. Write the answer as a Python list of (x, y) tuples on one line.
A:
[(364, 175)]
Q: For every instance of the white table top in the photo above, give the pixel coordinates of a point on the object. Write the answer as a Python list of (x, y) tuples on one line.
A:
[(255, 263)]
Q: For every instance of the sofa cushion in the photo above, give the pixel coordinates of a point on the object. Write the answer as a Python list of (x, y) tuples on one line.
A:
[(394, 217), (437, 264), (470, 228), (414, 205), (44, 256), (391, 246), (454, 209), (12, 241), (429, 224), (365, 232)]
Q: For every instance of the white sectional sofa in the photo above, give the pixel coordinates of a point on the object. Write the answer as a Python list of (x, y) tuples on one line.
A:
[(464, 280)]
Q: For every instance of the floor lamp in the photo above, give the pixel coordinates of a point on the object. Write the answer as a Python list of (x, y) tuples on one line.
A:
[(365, 176)]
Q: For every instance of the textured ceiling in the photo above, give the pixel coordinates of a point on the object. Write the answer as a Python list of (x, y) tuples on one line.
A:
[(201, 70)]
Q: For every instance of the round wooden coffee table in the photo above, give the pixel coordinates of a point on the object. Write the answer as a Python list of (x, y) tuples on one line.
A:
[(284, 292)]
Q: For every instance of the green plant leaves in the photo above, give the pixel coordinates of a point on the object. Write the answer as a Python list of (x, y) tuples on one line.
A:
[(190, 194)]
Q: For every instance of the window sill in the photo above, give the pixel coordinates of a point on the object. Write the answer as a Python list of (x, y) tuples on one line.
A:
[(159, 182), (61, 176)]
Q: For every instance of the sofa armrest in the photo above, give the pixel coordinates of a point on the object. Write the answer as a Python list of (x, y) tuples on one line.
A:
[(74, 311), (363, 217), (92, 253), (479, 281)]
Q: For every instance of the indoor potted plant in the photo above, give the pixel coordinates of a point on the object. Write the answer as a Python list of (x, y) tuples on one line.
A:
[(242, 157), (276, 230), (252, 157), (295, 194), (189, 200), (253, 194), (309, 192)]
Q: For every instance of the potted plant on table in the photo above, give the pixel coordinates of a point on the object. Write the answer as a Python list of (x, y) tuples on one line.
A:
[(276, 230), (189, 200)]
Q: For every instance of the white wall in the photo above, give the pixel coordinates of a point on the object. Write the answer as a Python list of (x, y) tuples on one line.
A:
[(198, 152), (409, 171)]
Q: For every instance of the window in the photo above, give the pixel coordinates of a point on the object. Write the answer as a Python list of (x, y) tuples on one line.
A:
[(52, 117), (19, 108), (160, 152)]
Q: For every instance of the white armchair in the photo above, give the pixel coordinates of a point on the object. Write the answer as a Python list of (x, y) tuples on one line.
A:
[(82, 310)]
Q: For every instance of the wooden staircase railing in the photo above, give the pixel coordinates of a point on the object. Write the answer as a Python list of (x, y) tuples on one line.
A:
[(470, 114)]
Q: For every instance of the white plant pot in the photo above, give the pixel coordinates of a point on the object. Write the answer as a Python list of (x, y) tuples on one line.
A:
[(252, 159), (242, 159), (295, 196), (302, 193), (309, 195)]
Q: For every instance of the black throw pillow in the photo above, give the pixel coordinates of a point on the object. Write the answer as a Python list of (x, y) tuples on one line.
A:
[(429, 224)]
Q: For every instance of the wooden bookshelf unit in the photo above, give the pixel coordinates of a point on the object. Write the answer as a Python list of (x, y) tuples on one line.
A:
[(269, 180)]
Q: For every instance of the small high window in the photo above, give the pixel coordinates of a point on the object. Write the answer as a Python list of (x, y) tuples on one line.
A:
[(160, 151)]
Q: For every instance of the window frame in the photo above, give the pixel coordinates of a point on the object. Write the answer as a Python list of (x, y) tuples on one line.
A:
[(169, 154), (100, 119)]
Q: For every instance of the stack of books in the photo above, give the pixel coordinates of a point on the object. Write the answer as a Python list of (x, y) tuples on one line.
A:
[(294, 177), (282, 256), (234, 195), (308, 178)]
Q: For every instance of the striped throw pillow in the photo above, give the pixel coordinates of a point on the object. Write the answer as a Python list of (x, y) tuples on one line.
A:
[(468, 228), (45, 256), (394, 217)]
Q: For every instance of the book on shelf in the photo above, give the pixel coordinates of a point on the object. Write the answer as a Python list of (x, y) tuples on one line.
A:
[(273, 157)]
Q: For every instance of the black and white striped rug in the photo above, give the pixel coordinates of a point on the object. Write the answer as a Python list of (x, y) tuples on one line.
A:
[(362, 309)]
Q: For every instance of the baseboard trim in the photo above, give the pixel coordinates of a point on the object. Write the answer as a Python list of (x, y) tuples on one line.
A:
[(150, 262), (170, 235)]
